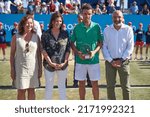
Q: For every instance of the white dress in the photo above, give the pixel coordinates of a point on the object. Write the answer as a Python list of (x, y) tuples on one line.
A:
[(26, 63)]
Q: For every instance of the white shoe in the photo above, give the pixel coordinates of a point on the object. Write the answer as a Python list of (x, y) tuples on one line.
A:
[(4, 59), (141, 58)]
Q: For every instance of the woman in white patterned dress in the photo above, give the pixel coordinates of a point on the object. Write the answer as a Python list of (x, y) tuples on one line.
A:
[(25, 59)]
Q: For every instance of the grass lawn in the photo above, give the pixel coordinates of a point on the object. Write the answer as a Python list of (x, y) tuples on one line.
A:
[(139, 80)]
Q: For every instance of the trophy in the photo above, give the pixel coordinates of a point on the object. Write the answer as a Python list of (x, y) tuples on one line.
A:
[(85, 49)]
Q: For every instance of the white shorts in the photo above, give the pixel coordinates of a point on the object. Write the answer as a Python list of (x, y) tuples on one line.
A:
[(92, 69)]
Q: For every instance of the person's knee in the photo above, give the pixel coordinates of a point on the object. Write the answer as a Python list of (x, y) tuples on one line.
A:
[(94, 83), (81, 83), (31, 90), (21, 91)]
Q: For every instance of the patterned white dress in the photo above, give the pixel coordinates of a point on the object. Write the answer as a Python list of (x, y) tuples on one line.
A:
[(26, 63)]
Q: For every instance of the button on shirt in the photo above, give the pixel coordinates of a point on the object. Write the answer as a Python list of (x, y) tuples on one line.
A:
[(118, 43)]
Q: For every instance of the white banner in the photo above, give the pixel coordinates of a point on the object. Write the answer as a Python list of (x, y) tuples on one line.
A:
[(74, 108)]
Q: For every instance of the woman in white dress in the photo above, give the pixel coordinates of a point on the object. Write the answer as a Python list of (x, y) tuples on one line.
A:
[(25, 59)]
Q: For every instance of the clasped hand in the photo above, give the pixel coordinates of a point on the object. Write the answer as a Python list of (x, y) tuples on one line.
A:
[(57, 66), (116, 63)]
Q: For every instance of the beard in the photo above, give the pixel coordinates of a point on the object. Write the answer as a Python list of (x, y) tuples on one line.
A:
[(119, 23)]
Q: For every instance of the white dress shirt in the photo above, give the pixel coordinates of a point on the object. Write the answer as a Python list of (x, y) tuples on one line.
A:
[(2, 7), (118, 43), (7, 6), (37, 28), (18, 2), (25, 3)]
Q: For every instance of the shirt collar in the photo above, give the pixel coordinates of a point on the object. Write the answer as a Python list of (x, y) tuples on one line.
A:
[(122, 26), (83, 25)]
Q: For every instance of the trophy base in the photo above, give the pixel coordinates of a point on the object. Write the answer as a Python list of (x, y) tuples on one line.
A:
[(87, 56)]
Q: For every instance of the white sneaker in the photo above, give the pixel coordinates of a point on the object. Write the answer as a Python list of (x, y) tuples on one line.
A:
[(130, 58), (4, 59), (141, 58), (135, 58)]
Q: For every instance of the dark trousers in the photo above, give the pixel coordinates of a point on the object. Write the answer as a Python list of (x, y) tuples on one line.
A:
[(111, 73)]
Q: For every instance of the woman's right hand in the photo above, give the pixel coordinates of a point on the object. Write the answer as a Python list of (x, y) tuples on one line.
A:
[(55, 65)]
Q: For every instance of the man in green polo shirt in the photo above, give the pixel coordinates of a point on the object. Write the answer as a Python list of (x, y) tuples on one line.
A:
[(86, 42)]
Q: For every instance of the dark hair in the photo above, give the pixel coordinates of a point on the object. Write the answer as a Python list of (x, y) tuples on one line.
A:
[(22, 24), (30, 13), (54, 17), (86, 7)]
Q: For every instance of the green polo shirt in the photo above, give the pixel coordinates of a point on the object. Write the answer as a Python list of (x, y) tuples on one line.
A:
[(87, 37)]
